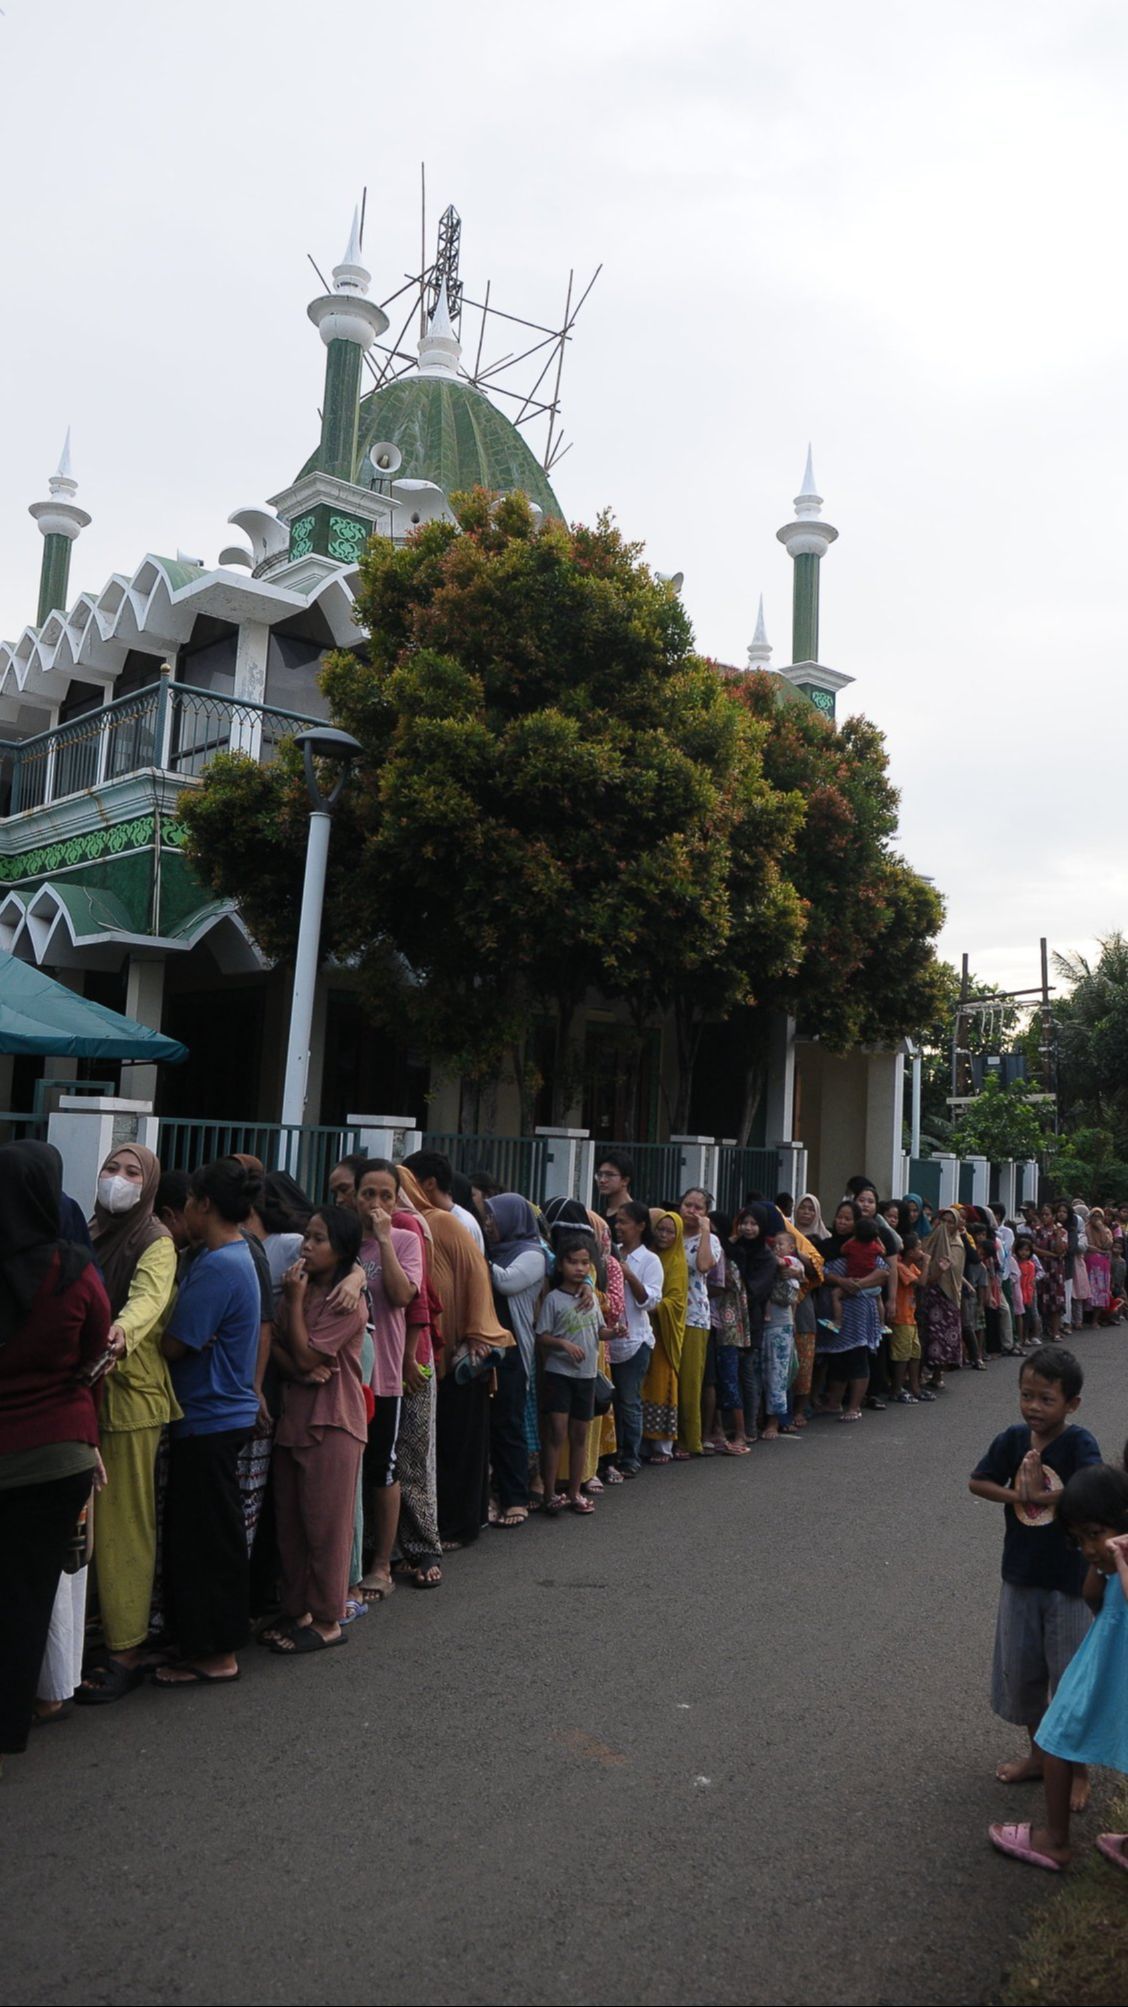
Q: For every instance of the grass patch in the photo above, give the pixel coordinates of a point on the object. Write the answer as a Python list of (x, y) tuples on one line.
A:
[(1076, 1952)]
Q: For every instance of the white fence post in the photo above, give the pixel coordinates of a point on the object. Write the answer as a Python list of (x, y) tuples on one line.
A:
[(562, 1174), (949, 1177), (791, 1169), (697, 1162), (85, 1128), (392, 1136), (980, 1180)]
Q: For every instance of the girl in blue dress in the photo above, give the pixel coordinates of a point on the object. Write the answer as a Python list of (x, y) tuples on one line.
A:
[(1087, 1719)]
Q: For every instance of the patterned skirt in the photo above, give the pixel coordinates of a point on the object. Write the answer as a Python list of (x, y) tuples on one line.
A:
[(660, 1399)]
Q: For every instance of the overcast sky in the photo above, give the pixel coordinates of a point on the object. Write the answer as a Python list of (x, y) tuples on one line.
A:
[(898, 235)]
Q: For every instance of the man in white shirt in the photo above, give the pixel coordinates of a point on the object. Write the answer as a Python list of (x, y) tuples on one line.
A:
[(629, 1354)]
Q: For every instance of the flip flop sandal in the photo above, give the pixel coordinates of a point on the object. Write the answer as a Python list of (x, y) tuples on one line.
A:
[(1015, 1841), (49, 1720), (1111, 1845), (308, 1640), (553, 1507), (419, 1577), (708, 1449), (377, 1592), (613, 1476), (198, 1678), (270, 1632), (581, 1505), (509, 1520), (114, 1681), (354, 1608)]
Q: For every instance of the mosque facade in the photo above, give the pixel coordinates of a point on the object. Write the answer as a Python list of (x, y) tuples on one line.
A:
[(113, 703)]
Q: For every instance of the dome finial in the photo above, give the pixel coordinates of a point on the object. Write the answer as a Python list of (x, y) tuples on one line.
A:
[(440, 347), (760, 648)]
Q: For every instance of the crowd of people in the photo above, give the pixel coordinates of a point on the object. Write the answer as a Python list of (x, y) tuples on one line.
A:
[(229, 1410)]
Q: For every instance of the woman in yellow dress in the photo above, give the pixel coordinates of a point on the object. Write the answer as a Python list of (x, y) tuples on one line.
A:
[(660, 1387)]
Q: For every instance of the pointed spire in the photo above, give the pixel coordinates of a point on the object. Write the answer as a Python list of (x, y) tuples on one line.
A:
[(62, 481), (352, 274), (440, 347), (808, 502), (760, 648)]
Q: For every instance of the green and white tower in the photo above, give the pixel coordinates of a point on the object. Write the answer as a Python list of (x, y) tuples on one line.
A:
[(807, 540), (60, 520), (760, 648), (348, 323)]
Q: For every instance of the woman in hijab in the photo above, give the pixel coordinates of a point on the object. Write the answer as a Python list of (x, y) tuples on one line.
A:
[(138, 1262), (940, 1294), (518, 1265), (808, 1221), (1098, 1262), (54, 1326), (470, 1331), (754, 1259), (660, 1387)]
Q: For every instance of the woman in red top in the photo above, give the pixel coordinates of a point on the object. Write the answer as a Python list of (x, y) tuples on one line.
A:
[(54, 1324)]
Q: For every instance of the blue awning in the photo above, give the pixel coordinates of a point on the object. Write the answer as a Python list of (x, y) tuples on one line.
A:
[(39, 1015)]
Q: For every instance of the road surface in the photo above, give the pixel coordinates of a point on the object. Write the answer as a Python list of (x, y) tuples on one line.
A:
[(727, 1741)]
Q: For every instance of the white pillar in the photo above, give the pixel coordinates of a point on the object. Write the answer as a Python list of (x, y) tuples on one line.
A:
[(296, 1078), (1008, 1178), (779, 1097), (251, 652), (1031, 1175), (585, 1172), (980, 1179), (885, 1100), (392, 1136), (84, 1130), (791, 1168), (144, 1000), (698, 1163), (564, 1157), (918, 1064), (949, 1177)]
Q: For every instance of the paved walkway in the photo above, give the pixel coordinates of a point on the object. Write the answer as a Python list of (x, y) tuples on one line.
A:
[(727, 1741)]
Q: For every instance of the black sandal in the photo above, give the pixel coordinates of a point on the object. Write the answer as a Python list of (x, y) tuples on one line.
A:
[(114, 1681)]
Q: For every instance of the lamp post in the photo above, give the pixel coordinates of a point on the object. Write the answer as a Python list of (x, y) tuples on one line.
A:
[(327, 743)]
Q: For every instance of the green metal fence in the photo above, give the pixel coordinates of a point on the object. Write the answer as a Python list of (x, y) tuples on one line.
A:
[(516, 1163), (743, 1171), (20, 1127), (307, 1151)]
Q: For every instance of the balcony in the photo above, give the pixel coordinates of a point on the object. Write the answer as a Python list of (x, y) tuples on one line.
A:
[(170, 728)]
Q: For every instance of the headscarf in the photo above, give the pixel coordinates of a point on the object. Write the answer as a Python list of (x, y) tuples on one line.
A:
[(120, 1239), (459, 1272), (818, 1228), (832, 1246), (669, 1317), (567, 1213), (943, 1246), (516, 1225), (754, 1259), (31, 1186)]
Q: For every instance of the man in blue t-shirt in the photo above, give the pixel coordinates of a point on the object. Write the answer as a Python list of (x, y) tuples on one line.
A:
[(1042, 1615)]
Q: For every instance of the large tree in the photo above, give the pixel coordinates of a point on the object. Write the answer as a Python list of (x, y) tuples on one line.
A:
[(558, 795)]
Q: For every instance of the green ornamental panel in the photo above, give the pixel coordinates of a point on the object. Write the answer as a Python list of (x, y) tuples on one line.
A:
[(823, 700), (330, 533)]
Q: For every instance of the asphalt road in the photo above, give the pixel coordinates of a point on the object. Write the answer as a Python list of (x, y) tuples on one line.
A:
[(727, 1741)]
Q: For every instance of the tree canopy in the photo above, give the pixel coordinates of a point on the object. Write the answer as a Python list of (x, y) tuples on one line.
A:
[(558, 795)]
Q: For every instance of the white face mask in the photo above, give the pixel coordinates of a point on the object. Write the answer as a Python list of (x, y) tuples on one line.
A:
[(118, 1195)]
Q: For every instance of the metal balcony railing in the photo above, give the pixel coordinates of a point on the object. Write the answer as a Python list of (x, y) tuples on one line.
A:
[(171, 726)]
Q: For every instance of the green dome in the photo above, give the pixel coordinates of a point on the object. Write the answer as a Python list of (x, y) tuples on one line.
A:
[(452, 435)]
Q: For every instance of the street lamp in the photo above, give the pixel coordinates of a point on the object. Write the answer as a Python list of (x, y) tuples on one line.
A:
[(322, 742)]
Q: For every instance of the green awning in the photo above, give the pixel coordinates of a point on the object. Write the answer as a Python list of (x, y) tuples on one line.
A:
[(39, 1015)]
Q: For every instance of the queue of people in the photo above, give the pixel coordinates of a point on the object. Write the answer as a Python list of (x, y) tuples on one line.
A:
[(227, 1411)]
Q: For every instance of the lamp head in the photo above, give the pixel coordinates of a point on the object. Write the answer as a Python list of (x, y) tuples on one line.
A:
[(327, 743)]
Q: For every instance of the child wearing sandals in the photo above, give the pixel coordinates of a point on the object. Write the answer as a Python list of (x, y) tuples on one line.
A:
[(1087, 1720), (778, 1343), (568, 1325), (1042, 1616)]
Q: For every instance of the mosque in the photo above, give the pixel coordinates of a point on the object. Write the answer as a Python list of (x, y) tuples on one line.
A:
[(114, 702)]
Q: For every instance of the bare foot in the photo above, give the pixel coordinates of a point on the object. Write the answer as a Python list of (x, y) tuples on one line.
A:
[(771, 1431), (1021, 1770)]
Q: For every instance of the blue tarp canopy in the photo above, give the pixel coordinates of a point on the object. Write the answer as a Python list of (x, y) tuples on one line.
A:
[(38, 1015)]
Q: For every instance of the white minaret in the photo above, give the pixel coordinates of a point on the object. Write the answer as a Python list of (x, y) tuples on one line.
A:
[(348, 323), (807, 540), (60, 520), (760, 648), (440, 348)]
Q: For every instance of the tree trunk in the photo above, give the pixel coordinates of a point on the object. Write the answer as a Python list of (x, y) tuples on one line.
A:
[(562, 1067), (755, 1080), (689, 1024)]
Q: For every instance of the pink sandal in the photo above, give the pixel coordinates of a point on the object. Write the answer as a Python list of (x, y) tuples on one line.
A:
[(581, 1504), (1111, 1845), (1015, 1841)]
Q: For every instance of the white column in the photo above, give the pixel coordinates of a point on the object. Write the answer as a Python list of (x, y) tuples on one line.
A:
[(392, 1136), (296, 1079), (84, 1130), (1031, 1174), (1008, 1174), (144, 1000), (562, 1162), (251, 652), (779, 1098), (698, 1163), (949, 1177), (980, 1179), (585, 1172), (791, 1168), (885, 1100), (918, 1064)]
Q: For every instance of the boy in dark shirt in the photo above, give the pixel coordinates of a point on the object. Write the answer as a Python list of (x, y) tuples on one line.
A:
[(1042, 1615)]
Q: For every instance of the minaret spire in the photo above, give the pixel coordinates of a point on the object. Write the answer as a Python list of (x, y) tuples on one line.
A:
[(760, 648), (807, 540), (60, 521), (348, 322)]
